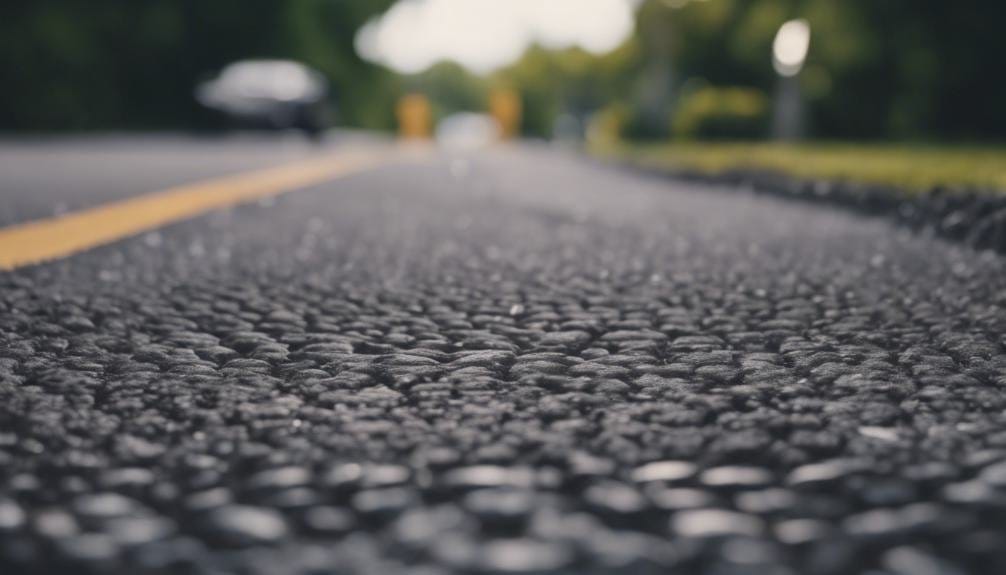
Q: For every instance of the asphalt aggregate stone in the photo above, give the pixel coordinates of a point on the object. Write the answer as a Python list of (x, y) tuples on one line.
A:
[(532, 365)]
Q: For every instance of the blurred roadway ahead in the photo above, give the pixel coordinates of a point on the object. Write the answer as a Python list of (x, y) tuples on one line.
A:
[(45, 176)]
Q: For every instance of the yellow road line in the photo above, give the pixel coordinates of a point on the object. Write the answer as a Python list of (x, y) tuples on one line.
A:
[(41, 240)]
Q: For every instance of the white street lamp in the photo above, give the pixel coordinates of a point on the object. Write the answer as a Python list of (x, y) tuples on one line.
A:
[(789, 53)]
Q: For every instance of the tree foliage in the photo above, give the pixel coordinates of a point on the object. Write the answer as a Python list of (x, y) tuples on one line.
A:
[(79, 64), (902, 69), (906, 69)]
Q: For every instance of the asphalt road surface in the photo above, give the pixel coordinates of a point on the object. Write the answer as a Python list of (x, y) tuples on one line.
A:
[(503, 361)]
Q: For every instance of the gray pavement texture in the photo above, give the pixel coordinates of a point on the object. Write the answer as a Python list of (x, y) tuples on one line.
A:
[(507, 362), (49, 176), (976, 217)]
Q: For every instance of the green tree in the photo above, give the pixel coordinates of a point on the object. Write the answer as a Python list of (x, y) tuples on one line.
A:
[(83, 64)]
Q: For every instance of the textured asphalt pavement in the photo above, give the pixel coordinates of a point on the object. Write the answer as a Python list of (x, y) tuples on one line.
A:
[(511, 361)]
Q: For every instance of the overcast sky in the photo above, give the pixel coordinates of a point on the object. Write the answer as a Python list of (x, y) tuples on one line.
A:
[(484, 35)]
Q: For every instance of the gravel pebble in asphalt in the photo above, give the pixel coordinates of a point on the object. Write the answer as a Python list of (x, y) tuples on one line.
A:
[(531, 365)]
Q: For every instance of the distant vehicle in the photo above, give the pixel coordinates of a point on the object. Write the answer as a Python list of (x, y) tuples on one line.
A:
[(567, 130), (277, 94), (467, 130)]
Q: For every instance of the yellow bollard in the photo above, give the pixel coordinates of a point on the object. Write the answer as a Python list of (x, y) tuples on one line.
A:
[(505, 107), (414, 117)]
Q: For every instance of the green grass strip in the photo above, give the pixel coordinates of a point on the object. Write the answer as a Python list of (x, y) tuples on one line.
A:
[(909, 167)]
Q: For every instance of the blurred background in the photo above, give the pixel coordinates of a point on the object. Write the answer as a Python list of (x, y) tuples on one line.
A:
[(601, 71)]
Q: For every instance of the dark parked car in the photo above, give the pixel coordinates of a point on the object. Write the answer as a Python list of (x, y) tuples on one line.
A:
[(277, 94)]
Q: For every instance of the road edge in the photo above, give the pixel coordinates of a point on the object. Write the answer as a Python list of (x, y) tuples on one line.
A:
[(974, 218)]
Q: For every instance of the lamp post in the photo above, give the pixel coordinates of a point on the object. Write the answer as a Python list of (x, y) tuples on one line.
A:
[(789, 53), (654, 20)]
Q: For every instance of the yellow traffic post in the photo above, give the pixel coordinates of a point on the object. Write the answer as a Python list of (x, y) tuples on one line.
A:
[(414, 117), (505, 107)]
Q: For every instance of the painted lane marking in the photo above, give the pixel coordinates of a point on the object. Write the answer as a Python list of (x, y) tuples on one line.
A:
[(58, 237)]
